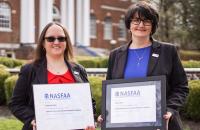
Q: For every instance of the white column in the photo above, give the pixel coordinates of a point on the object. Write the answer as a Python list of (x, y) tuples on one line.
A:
[(67, 17), (27, 24), (46, 13), (83, 22)]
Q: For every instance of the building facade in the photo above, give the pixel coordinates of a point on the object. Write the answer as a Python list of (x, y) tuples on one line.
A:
[(91, 23)]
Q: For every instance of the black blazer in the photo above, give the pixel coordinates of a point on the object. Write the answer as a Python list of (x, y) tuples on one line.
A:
[(164, 60), (22, 103)]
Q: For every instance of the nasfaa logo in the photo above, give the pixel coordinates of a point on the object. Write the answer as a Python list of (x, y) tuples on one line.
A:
[(128, 93), (57, 96)]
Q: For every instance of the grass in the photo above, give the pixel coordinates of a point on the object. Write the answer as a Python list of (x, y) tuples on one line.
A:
[(14, 124), (10, 124)]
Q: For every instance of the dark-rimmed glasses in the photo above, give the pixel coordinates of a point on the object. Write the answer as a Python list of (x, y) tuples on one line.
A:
[(52, 39), (137, 21)]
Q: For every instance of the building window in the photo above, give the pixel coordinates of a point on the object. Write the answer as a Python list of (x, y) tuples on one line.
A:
[(93, 26), (108, 28), (122, 30), (5, 17), (56, 14), (134, 1)]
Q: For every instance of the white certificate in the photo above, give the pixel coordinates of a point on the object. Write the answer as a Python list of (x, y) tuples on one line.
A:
[(133, 104), (63, 106)]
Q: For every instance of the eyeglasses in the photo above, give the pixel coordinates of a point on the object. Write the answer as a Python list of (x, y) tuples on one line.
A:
[(146, 22), (52, 39)]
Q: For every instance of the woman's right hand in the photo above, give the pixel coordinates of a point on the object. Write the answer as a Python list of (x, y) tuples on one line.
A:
[(99, 119), (33, 123)]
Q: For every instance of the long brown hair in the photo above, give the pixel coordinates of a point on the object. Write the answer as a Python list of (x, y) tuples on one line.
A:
[(40, 52)]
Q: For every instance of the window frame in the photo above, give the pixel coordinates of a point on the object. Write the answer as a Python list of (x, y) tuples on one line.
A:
[(6, 8)]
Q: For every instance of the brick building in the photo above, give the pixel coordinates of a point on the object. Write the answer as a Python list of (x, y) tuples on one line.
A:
[(91, 23)]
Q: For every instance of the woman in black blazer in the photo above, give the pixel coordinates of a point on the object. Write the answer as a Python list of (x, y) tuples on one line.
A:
[(52, 64), (143, 57)]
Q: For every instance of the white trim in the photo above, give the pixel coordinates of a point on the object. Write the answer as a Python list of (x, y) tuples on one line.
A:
[(27, 23), (5, 30), (107, 7), (9, 45), (121, 39), (68, 17), (93, 37), (83, 22), (46, 13), (189, 70)]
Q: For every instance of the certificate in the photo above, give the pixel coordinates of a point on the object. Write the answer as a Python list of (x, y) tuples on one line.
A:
[(63, 106), (135, 104)]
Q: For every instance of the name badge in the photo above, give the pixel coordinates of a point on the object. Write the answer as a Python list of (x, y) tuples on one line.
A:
[(76, 73), (155, 55)]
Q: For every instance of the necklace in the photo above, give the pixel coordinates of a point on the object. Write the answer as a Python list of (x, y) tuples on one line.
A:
[(139, 58), (56, 70)]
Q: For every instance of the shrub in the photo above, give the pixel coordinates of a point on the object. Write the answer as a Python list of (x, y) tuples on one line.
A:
[(93, 62), (9, 62), (191, 64), (96, 87), (192, 106), (9, 85), (103, 63), (189, 55), (18, 63), (3, 75), (88, 63), (3, 66)]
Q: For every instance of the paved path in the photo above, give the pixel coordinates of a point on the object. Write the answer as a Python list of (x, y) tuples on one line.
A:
[(4, 112)]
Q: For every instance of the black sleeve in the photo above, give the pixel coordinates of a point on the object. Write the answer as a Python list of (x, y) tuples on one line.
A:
[(20, 98), (85, 78), (179, 84), (110, 65)]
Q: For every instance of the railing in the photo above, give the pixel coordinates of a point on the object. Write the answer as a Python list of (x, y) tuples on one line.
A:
[(192, 73)]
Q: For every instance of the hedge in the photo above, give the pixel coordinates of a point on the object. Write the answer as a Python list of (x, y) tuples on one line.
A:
[(191, 64), (3, 75), (88, 63), (191, 109), (95, 82), (96, 87), (11, 63), (93, 62), (192, 106), (9, 86), (189, 55), (3, 66), (103, 63)]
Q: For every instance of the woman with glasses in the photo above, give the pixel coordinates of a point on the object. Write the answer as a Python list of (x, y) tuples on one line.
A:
[(53, 64), (143, 56)]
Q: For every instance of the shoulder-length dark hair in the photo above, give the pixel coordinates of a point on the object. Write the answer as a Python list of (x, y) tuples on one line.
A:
[(144, 11), (40, 52)]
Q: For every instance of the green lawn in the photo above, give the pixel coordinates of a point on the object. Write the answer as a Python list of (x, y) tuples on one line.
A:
[(14, 124), (10, 124)]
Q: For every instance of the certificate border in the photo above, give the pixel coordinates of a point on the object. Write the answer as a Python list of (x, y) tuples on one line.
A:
[(107, 83), (76, 87)]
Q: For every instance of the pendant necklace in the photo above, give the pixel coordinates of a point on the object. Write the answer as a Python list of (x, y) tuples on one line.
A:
[(139, 58), (56, 71)]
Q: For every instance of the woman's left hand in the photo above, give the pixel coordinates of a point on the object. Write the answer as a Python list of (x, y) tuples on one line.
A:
[(90, 128), (167, 116)]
